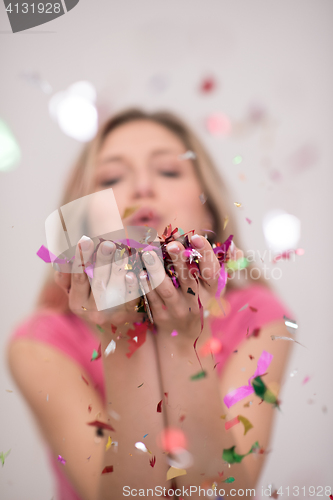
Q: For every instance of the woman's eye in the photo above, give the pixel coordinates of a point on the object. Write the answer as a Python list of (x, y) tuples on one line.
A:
[(110, 182), (170, 173)]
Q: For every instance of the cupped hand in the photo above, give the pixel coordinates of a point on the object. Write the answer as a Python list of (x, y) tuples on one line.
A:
[(111, 287)]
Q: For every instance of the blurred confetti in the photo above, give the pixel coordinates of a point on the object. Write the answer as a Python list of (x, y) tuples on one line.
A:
[(218, 124), (3, 456), (208, 85), (10, 154), (61, 460)]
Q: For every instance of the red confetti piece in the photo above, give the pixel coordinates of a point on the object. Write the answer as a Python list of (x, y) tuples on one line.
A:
[(166, 394), (113, 328), (253, 309), (107, 469), (231, 423), (152, 461), (159, 406), (255, 332), (208, 85), (139, 333), (182, 418), (89, 408), (101, 425), (84, 379), (251, 357)]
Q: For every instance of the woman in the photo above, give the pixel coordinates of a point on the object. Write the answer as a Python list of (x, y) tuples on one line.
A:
[(138, 155)]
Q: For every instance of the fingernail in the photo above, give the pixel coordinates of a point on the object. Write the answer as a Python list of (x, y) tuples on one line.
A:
[(85, 242), (148, 258), (129, 278), (56, 267), (173, 248), (107, 247), (197, 241)]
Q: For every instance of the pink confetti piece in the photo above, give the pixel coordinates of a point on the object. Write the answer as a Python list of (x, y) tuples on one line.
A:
[(218, 124), (48, 257), (306, 380), (231, 423), (242, 392), (248, 220), (174, 333), (61, 460)]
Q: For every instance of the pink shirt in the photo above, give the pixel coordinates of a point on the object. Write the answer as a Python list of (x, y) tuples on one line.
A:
[(72, 336)]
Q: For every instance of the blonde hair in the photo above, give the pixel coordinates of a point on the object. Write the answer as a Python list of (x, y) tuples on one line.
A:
[(80, 183)]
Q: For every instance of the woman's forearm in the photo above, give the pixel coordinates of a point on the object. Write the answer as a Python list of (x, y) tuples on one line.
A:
[(195, 406)]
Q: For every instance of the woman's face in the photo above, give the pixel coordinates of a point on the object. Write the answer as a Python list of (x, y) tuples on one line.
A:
[(139, 160)]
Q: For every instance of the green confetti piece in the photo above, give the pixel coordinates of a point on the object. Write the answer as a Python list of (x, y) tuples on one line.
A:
[(3, 456), (237, 265), (94, 355), (263, 392), (229, 480), (230, 456), (100, 329), (181, 231), (199, 375), (237, 160)]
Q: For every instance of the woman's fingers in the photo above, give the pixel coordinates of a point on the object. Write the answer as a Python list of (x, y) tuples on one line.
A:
[(208, 263), (80, 286), (132, 292)]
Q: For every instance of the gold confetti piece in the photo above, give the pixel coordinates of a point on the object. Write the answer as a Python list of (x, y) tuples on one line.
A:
[(226, 220), (223, 416), (174, 472), (129, 211), (8, 390), (84, 308), (237, 204), (108, 444), (122, 251), (247, 424), (128, 267)]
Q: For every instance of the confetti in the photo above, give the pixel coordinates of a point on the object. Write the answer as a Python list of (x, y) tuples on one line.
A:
[(129, 211), (225, 222), (189, 155), (276, 337), (61, 460), (247, 424), (229, 480), (8, 390), (208, 85), (253, 309), (251, 357), (230, 456), (96, 354), (100, 329), (237, 204), (159, 406), (290, 323), (237, 265), (107, 469), (3, 456), (231, 423), (140, 385), (263, 392), (111, 347), (101, 425), (89, 408), (174, 472), (306, 380), (152, 461), (145, 435), (203, 198), (237, 160), (108, 444), (84, 379), (218, 124), (212, 346), (199, 375), (248, 220), (174, 333), (242, 308), (242, 392), (189, 290)]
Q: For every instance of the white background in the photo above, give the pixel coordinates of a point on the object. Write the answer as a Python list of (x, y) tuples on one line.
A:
[(276, 54)]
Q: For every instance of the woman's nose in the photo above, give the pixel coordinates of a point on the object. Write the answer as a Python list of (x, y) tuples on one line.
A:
[(143, 186)]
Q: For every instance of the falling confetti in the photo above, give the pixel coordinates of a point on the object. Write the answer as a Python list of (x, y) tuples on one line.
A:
[(100, 329), (84, 379), (242, 308), (306, 380), (107, 469), (152, 461), (229, 480), (203, 198), (208, 85), (174, 472), (290, 323), (96, 354), (61, 460), (197, 376), (189, 155), (218, 124), (3, 456), (159, 406), (231, 423), (111, 347), (276, 337), (237, 160), (225, 222), (237, 204), (248, 220), (129, 211), (108, 444), (247, 424), (230, 456), (263, 392), (174, 333)]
